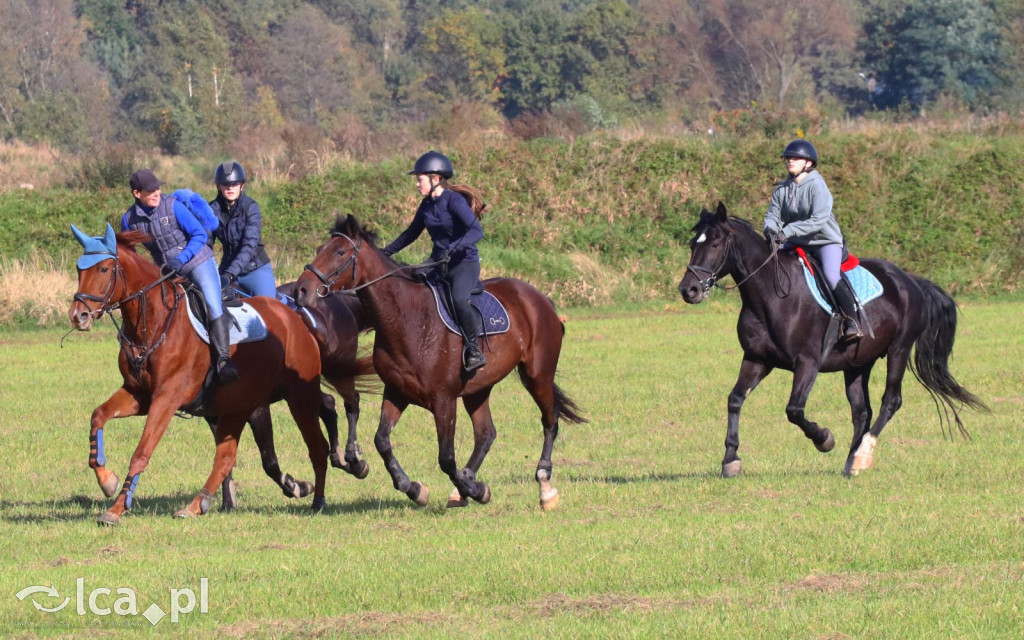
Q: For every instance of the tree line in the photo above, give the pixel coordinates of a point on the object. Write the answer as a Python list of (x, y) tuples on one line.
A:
[(191, 76)]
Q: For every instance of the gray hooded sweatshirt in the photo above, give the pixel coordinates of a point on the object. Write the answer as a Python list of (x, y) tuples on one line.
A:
[(803, 212)]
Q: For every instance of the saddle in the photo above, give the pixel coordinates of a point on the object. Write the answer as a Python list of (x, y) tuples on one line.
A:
[(865, 285), (248, 325), (492, 312)]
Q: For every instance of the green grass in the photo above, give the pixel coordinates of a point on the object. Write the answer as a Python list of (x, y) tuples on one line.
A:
[(647, 542)]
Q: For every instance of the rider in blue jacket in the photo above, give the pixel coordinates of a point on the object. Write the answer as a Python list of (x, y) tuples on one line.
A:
[(454, 230), (178, 245)]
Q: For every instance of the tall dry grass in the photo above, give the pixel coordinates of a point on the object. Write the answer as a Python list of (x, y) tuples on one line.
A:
[(35, 291)]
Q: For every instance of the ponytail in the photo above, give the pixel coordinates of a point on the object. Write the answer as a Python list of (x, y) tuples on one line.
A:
[(473, 198)]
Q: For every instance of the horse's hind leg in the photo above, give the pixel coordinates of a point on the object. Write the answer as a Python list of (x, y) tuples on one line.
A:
[(804, 374), (541, 388), (229, 429), (860, 409), (304, 407), (227, 488), (120, 405), (484, 433), (263, 433), (892, 400), (752, 373), (391, 409)]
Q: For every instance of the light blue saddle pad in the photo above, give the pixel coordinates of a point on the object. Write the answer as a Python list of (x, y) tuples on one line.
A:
[(865, 285), (248, 326), (494, 314)]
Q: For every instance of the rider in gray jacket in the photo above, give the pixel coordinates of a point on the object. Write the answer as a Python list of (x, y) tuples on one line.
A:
[(800, 214)]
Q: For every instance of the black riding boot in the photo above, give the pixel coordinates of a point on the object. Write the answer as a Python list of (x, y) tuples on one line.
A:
[(847, 304), (472, 358), (220, 341)]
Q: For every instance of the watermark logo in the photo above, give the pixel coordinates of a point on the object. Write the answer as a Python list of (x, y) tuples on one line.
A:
[(183, 601)]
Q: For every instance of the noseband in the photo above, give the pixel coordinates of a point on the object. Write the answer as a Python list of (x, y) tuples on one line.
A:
[(329, 280)]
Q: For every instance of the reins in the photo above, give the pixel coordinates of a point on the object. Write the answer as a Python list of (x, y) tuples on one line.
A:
[(329, 280), (714, 274)]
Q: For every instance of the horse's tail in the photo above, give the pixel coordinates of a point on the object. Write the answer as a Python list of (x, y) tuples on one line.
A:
[(566, 408), (933, 347)]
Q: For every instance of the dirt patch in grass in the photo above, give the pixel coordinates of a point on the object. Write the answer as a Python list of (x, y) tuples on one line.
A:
[(560, 604), (369, 624)]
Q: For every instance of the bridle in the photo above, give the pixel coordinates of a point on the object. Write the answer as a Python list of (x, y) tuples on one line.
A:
[(715, 273), (141, 351), (330, 279)]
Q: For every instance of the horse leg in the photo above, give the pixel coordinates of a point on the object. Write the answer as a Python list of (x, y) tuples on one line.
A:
[(463, 479), (860, 408), (329, 416), (391, 409), (304, 408), (752, 373), (229, 429), (353, 463), (538, 377), (892, 400), (479, 410), (227, 488), (120, 405), (263, 433), (804, 375), (160, 413)]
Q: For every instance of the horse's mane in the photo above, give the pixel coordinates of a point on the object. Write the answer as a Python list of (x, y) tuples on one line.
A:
[(707, 218), (129, 239)]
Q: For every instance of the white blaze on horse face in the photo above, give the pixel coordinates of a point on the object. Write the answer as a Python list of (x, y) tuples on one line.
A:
[(701, 238)]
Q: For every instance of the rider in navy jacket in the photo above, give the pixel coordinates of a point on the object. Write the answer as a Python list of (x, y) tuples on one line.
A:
[(454, 230), (245, 259)]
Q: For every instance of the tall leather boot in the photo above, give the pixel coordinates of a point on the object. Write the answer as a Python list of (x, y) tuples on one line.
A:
[(848, 308), (220, 340), (472, 358)]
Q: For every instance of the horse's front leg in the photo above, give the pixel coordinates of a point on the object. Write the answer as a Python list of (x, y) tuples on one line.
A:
[(227, 488), (120, 405), (263, 433), (391, 409), (354, 462), (229, 428), (463, 479), (804, 375), (161, 411), (484, 433), (752, 372)]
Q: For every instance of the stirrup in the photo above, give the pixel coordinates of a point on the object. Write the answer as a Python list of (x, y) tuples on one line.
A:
[(851, 331), (226, 371), (472, 359)]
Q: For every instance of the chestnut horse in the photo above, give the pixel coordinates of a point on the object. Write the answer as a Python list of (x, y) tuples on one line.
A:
[(336, 326), (781, 326), (419, 360), (164, 363)]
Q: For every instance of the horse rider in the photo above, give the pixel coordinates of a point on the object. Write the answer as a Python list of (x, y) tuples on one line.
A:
[(245, 258), (178, 245), (454, 229), (800, 214)]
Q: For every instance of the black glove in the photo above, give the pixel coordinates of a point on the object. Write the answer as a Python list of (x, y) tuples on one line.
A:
[(387, 251), (444, 260), (172, 266)]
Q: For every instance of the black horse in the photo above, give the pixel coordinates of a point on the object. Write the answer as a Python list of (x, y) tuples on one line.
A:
[(781, 326)]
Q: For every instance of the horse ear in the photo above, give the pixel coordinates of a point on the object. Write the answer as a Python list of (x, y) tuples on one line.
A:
[(722, 214), (81, 237), (110, 240), (351, 226)]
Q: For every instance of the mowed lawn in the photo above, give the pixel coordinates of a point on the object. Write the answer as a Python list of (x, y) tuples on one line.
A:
[(648, 540)]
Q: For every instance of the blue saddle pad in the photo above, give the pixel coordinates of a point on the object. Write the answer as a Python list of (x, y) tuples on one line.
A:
[(249, 325), (865, 285), (494, 314)]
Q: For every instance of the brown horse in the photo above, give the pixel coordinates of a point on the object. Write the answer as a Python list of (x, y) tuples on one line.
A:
[(419, 361), (336, 326), (164, 363)]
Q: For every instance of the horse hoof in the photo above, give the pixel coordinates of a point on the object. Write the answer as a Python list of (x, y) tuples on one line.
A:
[(184, 513), (338, 463), (110, 485), (319, 503), (829, 443), (228, 498), (485, 496), (731, 469), (865, 455), (456, 500), (361, 470), (304, 488), (549, 501), (108, 519), (418, 493)]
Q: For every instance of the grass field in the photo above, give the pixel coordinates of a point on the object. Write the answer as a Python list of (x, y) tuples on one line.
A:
[(647, 542)]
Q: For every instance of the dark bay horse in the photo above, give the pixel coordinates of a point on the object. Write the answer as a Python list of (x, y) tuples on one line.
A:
[(163, 363), (781, 326), (419, 360)]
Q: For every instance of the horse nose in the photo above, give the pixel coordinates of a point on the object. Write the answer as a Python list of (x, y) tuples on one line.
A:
[(301, 295), (81, 320), (691, 294)]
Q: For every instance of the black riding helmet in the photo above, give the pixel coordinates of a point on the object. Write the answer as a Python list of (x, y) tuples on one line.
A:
[(434, 162), (801, 149), (228, 172)]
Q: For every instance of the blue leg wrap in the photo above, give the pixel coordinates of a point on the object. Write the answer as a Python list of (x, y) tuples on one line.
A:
[(129, 488), (101, 455)]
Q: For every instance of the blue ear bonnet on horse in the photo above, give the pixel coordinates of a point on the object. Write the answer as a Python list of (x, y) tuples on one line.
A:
[(96, 249)]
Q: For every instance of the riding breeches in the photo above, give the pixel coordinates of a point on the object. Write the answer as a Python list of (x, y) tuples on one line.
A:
[(830, 256), (206, 277), (463, 278)]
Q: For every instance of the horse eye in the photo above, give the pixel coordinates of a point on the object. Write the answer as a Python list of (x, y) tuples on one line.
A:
[(104, 269)]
